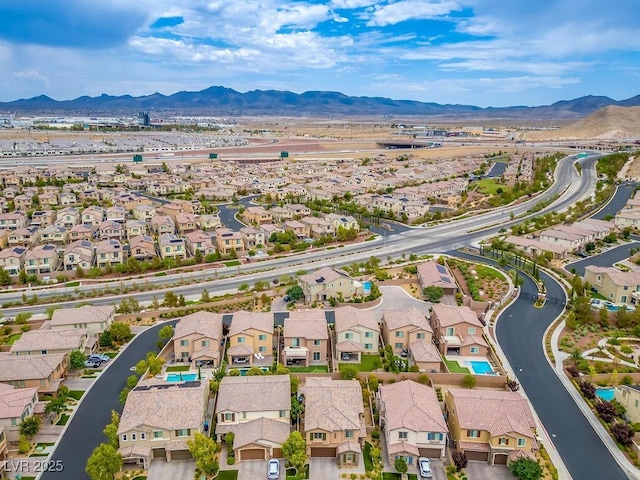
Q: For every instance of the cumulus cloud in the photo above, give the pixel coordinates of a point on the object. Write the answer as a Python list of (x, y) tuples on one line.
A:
[(403, 10)]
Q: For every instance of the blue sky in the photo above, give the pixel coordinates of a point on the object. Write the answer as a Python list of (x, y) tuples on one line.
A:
[(480, 52)]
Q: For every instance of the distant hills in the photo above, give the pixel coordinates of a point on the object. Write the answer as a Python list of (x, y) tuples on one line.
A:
[(221, 101), (609, 123)]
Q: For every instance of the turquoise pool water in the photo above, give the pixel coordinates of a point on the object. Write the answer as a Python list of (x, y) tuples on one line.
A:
[(366, 287), (243, 371), (607, 394), (181, 377), (480, 367)]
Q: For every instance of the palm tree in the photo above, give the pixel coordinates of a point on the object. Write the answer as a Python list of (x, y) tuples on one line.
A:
[(575, 355)]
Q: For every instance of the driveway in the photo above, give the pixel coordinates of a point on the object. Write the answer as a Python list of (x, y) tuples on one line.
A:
[(484, 471), (252, 469), (324, 468), (162, 470)]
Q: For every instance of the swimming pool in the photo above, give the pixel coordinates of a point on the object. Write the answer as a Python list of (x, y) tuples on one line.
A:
[(181, 377), (480, 367), (607, 394), (243, 371)]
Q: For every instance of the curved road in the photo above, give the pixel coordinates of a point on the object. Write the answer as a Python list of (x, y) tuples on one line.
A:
[(520, 332)]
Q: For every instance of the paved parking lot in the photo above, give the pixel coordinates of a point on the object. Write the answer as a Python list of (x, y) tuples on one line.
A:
[(484, 471), (162, 470)]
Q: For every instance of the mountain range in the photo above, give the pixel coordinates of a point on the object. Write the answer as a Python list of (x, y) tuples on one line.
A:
[(221, 101)]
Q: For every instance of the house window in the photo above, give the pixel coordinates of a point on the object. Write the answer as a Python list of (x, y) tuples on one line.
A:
[(623, 299), (158, 434), (403, 435), (316, 343), (435, 436), (348, 433), (244, 415), (521, 442), (420, 336), (262, 337), (14, 422), (399, 334), (206, 343), (399, 346), (625, 288), (44, 352), (503, 441), (262, 349), (184, 343), (450, 332), (316, 356), (228, 417), (473, 434), (183, 432), (475, 350), (124, 437), (349, 458), (184, 354), (472, 330), (133, 437), (368, 346), (295, 342), (348, 336), (318, 436), (240, 339), (282, 414)]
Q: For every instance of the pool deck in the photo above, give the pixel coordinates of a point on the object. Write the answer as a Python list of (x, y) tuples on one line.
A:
[(462, 362)]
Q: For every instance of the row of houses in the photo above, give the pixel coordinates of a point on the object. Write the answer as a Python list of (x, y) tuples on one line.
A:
[(159, 418)]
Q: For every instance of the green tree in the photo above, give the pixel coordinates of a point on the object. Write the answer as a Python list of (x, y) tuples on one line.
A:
[(155, 305), (205, 453), (166, 333), (76, 359), (132, 381), (5, 278), (294, 449), (111, 430), (170, 300), (154, 363), (469, 381), (22, 277), (400, 465), (433, 293), (526, 469), (141, 367), (30, 426), (57, 405), (205, 298), (297, 408), (295, 293), (120, 332), (348, 372), (105, 339), (254, 371), (104, 462), (23, 444), (124, 394)]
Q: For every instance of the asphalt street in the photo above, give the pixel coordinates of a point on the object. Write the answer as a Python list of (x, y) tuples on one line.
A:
[(604, 259), (623, 193), (520, 333), (84, 430)]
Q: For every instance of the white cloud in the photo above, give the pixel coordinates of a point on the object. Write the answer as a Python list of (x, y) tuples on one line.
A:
[(403, 10), (352, 4), (339, 19)]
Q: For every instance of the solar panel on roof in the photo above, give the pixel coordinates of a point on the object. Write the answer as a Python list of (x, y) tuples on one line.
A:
[(441, 269), (48, 247), (445, 279)]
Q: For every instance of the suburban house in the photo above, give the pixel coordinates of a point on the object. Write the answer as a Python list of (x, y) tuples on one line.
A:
[(111, 229), (133, 228), (431, 273), (186, 222), (144, 213), (257, 409), (253, 237), (300, 229), (197, 338), (54, 234), (357, 333), (78, 254), (43, 342), (229, 241), (250, 339), (326, 283), (629, 398), (402, 327), (44, 218), (494, 426), (94, 319), (458, 331), (199, 241), (68, 217), (614, 284), (171, 246), (12, 259), (411, 421), (109, 252), (317, 226), (15, 405), (209, 222), (162, 224), (44, 372), (306, 339), (81, 232), (425, 355), (334, 419), (257, 215), (142, 247), (158, 418), (24, 237), (41, 259), (297, 209), (341, 221), (13, 220)]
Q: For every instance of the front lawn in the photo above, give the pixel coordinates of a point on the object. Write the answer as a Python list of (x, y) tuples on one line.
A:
[(453, 367), (597, 295), (63, 419), (368, 363), (76, 394), (12, 338), (178, 368), (490, 186), (311, 369), (111, 354), (396, 476), (227, 475)]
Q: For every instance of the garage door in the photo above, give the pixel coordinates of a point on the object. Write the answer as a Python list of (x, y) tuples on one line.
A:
[(500, 459), (159, 453), (181, 455), (277, 453), (430, 452), (481, 456), (252, 454), (323, 452)]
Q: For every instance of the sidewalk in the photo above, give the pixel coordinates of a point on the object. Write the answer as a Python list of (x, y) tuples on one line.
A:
[(559, 357)]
